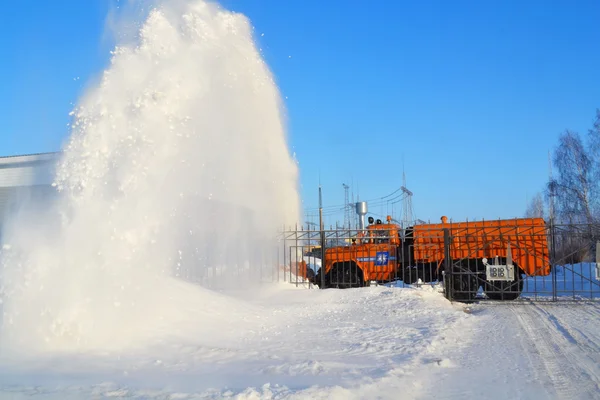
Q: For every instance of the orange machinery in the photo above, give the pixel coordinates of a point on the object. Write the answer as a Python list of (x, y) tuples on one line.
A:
[(386, 252)]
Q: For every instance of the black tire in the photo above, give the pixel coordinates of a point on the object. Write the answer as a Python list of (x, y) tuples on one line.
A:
[(345, 275), (427, 273), (463, 284), (505, 290), (317, 281), (461, 287), (409, 275)]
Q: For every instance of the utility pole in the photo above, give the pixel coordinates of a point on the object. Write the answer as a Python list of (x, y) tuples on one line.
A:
[(352, 206), (322, 234), (321, 225)]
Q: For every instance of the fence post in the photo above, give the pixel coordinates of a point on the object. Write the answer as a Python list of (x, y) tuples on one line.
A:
[(296, 254), (322, 269), (553, 259), (285, 255), (597, 261), (447, 266)]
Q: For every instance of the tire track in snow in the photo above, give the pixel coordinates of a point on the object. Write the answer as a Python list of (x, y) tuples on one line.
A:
[(575, 334), (560, 354), (547, 356), (584, 350), (497, 362), (593, 310)]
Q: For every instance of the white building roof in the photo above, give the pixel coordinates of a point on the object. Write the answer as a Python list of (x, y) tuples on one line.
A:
[(51, 156), (27, 170)]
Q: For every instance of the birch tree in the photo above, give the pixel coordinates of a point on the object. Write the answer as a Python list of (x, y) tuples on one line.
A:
[(574, 188), (535, 208)]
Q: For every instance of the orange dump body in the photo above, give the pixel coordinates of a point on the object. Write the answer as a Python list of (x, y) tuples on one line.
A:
[(527, 238)]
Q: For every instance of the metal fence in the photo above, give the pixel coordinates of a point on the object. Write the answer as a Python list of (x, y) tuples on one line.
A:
[(500, 261)]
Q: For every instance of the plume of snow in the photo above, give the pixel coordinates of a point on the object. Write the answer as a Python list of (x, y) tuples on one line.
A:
[(177, 166)]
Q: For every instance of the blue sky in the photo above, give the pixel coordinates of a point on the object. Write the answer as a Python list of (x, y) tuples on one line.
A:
[(468, 95)]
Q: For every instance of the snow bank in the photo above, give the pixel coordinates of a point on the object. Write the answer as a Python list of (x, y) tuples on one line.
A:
[(296, 343)]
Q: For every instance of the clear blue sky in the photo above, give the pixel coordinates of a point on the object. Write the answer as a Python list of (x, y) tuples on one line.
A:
[(470, 95)]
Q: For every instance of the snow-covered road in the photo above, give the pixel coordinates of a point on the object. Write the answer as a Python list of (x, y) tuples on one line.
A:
[(369, 343), (526, 351)]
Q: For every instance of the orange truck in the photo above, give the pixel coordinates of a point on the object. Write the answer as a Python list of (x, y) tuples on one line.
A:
[(466, 256)]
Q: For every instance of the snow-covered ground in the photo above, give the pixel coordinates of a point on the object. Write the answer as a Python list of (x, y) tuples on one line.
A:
[(375, 342)]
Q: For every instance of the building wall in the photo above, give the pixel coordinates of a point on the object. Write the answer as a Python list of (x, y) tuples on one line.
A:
[(22, 177)]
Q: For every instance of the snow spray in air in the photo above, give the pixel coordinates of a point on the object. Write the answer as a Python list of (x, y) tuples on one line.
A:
[(177, 166)]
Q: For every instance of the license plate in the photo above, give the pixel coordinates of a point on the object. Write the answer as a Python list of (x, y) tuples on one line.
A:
[(500, 272)]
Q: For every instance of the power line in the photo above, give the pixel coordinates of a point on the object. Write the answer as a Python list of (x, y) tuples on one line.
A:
[(400, 195), (377, 201)]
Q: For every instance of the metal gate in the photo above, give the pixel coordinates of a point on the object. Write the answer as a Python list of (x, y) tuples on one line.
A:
[(573, 267), (510, 263)]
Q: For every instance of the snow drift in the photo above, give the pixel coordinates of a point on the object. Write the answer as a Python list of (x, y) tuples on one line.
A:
[(177, 162)]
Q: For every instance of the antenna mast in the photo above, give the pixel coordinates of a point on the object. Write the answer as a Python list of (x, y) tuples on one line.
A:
[(407, 208), (347, 209)]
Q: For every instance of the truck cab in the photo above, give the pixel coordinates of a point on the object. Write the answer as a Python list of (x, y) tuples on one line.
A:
[(373, 255)]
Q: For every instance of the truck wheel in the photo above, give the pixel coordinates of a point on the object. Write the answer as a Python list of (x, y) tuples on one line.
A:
[(409, 275), (317, 281), (345, 275), (461, 286), (426, 272)]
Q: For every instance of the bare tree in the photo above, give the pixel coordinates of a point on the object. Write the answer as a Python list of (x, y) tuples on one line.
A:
[(574, 194), (594, 148), (535, 208), (575, 187)]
